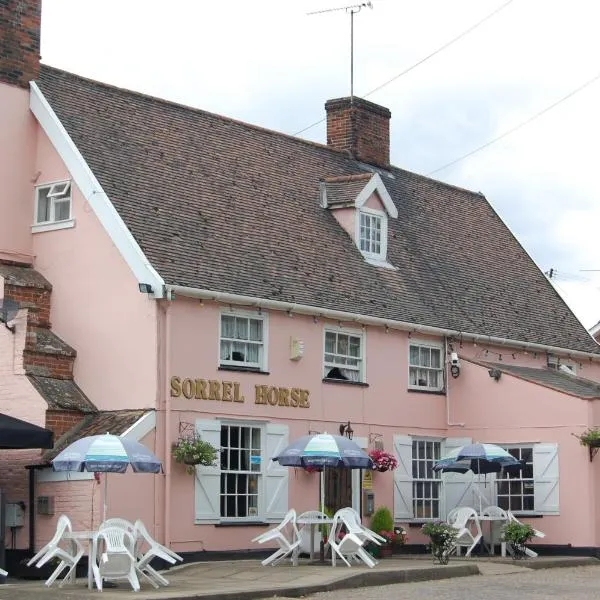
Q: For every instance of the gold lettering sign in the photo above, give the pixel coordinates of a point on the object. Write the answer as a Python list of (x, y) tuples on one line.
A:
[(229, 391)]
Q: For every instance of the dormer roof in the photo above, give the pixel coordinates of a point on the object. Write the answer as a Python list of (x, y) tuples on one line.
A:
[(348, 191)]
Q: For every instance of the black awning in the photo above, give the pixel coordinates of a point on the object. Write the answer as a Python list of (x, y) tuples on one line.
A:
[(15, 434)]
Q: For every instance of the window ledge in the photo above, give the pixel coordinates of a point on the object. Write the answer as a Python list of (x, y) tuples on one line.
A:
[(345, 382), (53, 226), (243, 524), (378, 262), (426, 391), (242, 369)]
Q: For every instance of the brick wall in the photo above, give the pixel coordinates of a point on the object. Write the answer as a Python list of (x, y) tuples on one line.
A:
[(360, 127), (20, 22), (35, 298), (60, 421)]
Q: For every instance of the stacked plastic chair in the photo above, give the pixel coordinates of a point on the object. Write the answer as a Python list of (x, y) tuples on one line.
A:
[(113, 557), (285, 535)]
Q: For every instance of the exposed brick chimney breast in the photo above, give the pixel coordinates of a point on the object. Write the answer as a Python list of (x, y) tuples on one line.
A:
[(360, 127), (20, 22)]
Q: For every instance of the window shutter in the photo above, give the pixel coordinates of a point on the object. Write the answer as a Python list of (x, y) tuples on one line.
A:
[(403, 480), (276, 476), (456, 485), (208, 479), (545, 478)]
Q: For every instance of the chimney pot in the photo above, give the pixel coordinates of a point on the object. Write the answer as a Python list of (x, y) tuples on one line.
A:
[(361, 128)]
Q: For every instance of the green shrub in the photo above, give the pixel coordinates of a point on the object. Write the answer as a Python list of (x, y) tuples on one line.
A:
[(442, 537), (517, 534), (382, 520)]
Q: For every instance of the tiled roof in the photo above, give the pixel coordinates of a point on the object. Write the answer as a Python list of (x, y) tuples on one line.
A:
[(115, 422), (24, 277), (342, 191), (562, 382), (62, 394), (222, 205)]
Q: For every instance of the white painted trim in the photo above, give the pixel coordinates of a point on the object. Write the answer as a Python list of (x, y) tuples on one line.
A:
[(371, 257), (375, 184), (92, 191), (595, 329), (49, 475), (53, 226), (143, 426), (339, 315), (360, 333), (426, 344)]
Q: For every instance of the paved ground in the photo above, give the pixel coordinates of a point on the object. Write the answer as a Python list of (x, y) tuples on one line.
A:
[(493, 579), (579, 583)]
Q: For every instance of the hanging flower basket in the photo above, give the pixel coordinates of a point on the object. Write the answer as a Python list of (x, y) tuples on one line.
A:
[(193, 451), (383, 461)]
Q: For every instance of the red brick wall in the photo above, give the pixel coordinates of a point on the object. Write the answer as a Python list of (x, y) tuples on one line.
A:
[(36, 299), (362, 128), (48, 365), (60, 421), (20, 22)]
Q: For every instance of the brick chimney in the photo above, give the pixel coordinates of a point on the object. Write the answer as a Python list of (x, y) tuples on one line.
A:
[(20, 22), (360, 127)]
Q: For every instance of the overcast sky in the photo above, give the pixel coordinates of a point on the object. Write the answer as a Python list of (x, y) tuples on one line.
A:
[(269, 63)]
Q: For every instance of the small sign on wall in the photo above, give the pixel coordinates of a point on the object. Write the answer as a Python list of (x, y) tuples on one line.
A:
[(367, 482)]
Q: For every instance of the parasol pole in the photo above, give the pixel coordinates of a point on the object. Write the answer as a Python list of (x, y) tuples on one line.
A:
[(323, 489), (105, 496)]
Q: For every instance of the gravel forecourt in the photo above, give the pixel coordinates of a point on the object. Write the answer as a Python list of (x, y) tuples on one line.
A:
[(577, 583)]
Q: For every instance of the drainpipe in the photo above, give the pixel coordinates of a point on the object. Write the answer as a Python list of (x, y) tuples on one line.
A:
[(448, 378), (167, 423)]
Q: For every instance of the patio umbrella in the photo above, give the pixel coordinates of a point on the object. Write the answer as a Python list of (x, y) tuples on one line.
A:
[(324, 450), (478, 458), (107, 454)]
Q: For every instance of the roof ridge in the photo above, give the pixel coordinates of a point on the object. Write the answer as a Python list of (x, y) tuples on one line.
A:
[(348, 178)]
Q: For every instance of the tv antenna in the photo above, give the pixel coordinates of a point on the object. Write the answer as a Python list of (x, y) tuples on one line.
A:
[(352, 10)]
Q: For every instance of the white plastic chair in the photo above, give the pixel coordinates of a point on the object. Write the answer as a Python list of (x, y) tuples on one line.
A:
[(354, 525), (350, 546), (496, 527), (451, 516), (528, 551), (113, 557), (155, 550), (465, 518), (286, 535), (117, 522), (68, 558), (304, 531)]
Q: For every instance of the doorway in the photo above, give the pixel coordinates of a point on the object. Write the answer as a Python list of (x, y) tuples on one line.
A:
[(338, 488)]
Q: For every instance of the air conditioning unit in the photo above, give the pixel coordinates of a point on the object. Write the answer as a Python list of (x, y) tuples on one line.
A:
[(45, 505)]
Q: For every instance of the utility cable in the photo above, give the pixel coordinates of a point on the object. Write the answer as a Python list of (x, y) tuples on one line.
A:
[(420, 62), (517, 127)]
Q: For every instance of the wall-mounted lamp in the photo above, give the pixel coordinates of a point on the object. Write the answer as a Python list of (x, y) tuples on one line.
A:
[(145, 288), (454, 365), (346, 429), (495, 373)]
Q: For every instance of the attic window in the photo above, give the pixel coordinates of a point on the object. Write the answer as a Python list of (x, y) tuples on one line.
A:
[(372, 234), (53, 206)]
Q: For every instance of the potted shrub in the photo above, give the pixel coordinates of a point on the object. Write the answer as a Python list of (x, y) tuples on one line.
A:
[(382, 523), (193, 451), (517, 535), (442, 537), (590, 437), (383, 461)]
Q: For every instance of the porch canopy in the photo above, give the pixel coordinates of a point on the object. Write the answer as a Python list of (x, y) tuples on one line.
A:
[(16, 434)]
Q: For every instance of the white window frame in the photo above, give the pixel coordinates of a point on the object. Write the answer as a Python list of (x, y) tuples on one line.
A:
[(362, 358), (377, 258), (262, 364), (58, 191), (520, 479), (260, 473), (432, 346), (436, 481)]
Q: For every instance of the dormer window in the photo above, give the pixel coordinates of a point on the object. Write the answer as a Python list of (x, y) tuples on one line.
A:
[(362, 206), (372, 233)]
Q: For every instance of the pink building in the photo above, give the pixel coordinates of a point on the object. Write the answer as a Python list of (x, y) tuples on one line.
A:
[(179, 271)]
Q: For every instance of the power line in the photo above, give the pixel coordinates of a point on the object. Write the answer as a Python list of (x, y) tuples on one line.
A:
[(420, 62), (517, 127)]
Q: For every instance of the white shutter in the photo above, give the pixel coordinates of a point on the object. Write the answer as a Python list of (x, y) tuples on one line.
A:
[(208, 479), (455, 485), (545, 478), (276, 476), (403, 479)]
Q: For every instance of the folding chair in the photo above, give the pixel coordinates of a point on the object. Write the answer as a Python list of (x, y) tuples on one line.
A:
[(462, 522), (113, 557), (286, 535), (350, 546), (155, 550), (528, 551), (68, 558)]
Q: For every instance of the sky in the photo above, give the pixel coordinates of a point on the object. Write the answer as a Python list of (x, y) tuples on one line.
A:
[(456, 75)]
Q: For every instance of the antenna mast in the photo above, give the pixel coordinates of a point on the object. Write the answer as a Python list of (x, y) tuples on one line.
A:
[(352, 10)]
